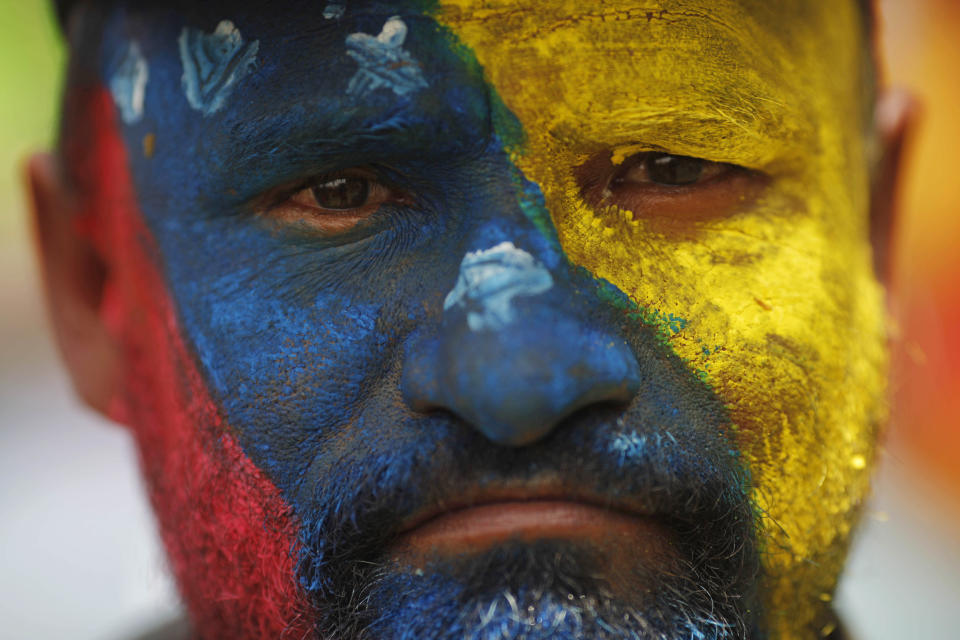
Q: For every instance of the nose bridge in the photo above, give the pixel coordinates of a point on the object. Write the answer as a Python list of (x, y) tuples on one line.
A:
[(524, 341), (517, 215), (488, 282)]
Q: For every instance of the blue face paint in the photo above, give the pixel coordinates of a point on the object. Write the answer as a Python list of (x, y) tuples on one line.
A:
[(378, 371), (505, 607)]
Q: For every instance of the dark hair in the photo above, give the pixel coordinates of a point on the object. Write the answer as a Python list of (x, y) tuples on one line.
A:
[(867, 12)]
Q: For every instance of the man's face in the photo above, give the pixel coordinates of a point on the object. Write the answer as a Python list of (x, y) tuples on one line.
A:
[(542, 321)]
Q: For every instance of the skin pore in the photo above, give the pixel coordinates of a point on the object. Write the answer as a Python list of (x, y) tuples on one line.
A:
[(478, 320), (782, 313)]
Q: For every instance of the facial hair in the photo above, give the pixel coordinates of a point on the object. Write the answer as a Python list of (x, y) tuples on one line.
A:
[(546, 588), (532, 592)]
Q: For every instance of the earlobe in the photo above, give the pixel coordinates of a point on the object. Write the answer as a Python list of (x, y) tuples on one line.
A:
[(895, 118), (74, 274)]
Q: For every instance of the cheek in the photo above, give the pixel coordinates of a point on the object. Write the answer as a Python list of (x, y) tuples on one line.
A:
[(784, 322), (290, 374), (228, 533), (774, 308)]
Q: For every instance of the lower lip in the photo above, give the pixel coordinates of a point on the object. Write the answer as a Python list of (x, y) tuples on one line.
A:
[(478, 527)]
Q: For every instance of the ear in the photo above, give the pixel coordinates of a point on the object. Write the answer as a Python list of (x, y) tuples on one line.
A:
[(73, 275), (895, 118)]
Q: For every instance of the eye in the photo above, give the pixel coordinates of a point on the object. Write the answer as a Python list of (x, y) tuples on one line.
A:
[(333, 203), (669, 170), (341, 193), (664, 185)]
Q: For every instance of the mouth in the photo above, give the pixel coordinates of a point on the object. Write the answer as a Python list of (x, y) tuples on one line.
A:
[(528, 516), (667, 529)]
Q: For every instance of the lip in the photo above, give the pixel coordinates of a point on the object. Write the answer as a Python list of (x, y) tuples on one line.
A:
[(525, 515)]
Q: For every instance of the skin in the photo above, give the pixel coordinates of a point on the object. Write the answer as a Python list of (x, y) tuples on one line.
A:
[(720, 343), (801, 360)]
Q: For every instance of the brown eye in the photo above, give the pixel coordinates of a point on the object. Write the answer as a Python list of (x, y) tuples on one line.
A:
[(671, 188), (671, 170), (332, 203), (666, 170), (342, 193)]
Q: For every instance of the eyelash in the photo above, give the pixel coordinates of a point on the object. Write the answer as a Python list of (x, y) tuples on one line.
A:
[(668, 187), (299, 206), (657, 185), (669, 170)]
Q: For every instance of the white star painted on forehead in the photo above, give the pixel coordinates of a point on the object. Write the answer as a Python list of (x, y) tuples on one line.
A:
[(333, 11), (213, 63), (383, 61)]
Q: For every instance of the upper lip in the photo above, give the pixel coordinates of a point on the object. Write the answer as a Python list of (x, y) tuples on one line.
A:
[(527, 492)]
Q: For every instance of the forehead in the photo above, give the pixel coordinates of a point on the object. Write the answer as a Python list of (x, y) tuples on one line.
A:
[(764, 85), (740, 50), (739, 81)]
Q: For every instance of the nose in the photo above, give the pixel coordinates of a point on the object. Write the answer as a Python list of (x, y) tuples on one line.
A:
[(519, 348)]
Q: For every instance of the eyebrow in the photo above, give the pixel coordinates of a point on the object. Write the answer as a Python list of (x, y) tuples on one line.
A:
[(743, 106), (294, 142), (753, 134), (753, 117)]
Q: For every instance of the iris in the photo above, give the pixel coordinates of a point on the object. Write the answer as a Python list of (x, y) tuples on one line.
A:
[(342, 193)]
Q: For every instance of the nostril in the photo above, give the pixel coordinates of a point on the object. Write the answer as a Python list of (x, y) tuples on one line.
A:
[(526, 426), (516, 386), (519, 349)]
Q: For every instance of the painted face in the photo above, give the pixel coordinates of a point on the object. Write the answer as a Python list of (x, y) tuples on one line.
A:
[(391, 274)]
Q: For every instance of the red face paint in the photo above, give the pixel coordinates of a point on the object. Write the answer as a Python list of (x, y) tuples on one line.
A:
[(229, 535)]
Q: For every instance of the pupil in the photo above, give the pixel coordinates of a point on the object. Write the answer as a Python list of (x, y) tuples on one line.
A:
[(342, 193), (671, 170)]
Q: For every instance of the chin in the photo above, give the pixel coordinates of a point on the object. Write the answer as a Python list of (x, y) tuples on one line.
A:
[(555, 589)]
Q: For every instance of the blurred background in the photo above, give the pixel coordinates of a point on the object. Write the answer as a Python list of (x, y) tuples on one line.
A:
[(78, 554)]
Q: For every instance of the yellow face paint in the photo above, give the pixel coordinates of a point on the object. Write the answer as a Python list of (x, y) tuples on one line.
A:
[(783, 315)]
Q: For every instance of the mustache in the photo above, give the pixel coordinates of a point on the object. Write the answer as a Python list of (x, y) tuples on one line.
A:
[(687, 475)]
